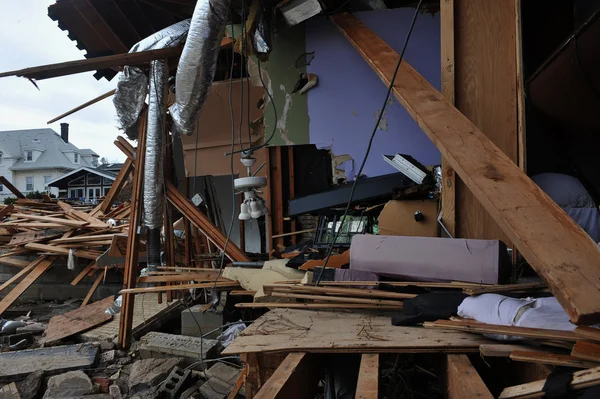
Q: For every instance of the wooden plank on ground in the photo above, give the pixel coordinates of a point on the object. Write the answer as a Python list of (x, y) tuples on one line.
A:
[(552, 359), (367, 386), (13, 262), (581, 379), (296, 378), (500, 350), (586, 350), (339, 299), (22, 273), (296, 330), (353, 292), (48, 219), (77, 321), (62, 251), (11, 188), (55, 360), (553, 244), (482, 328), (326, 306), (83, 273), (463, 379), (20, 288), (218, 284), (7, 210)]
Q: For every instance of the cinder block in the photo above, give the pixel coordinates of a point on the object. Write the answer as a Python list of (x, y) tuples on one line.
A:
[(158, 345)]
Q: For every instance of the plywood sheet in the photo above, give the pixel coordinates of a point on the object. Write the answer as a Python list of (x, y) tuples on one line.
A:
[(79, 320), (296, 330)]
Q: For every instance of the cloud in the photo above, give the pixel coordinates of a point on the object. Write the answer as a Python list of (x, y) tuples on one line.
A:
[(31, 38)]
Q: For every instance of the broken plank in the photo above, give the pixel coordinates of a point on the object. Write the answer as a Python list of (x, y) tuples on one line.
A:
[(367, 386), (482, 328), (463, 380), (553, 244), (84, 239), (338, 299), (6, 211), (21, 273), (83, 273), (551, 358), (13, 262), (295, 330), (117, 185), (77, 321), (11, 188), (82, 106), (581, 379), (297, 377), (141, 58), (204, 277), (354, 292), (48, 219), (55, 360), (93, 289), (500, 350), (586, 350), (589, 333), (22, 286), (62, 251), (218, 284), (294, 305)]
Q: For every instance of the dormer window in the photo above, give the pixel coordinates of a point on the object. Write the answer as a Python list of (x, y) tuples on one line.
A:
[(75, 157), (28, 156)]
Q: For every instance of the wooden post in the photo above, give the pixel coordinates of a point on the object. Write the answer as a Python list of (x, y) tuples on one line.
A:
[(463, 381), (133, 240), (292, 189), (367, 386)]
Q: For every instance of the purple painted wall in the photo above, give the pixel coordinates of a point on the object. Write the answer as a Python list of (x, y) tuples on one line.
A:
[(343, 108)]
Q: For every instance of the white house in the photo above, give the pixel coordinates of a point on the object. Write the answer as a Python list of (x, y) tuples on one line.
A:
[(30, 159)]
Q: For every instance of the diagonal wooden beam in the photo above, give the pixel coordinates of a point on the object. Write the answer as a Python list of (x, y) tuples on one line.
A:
[(117, 185), (296, 377), (553, 244), (10, 187)]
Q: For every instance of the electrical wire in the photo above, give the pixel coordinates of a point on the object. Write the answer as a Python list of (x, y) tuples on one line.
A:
[(364, 161)]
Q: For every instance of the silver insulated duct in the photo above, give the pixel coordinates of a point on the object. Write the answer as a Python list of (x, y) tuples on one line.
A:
[(197, 64), (153, 170), (132, 87)]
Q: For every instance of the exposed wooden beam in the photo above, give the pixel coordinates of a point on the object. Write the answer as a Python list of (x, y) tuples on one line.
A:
[(133, 240), (93, 289), (553, 244), (586, 350), (97, 24), (367, 386), (62, 251), (581, 379), (552, 359), (112, 61), (9, 185), (82, 106), (117, 185), (463, 380), (296, 378)]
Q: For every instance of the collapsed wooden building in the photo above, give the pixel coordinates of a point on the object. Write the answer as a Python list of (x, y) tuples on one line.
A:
[(345, 268)]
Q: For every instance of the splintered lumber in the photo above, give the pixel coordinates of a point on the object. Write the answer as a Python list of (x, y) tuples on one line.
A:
[(83, 273), (22, 272), (295, 330), (551, 358), (238, 385), (294, 305), (33, 236), (20, 288), (367, 386), (78, 320), (212, 232), (141, 58), (500, 350), (339, 299), (553, 244), (463, 380), (204, 277), (48, 219), (7, 210), (581, 379), (10, 187), (62, 251), (117, 185), (217, 284), (242, 293), (55, 360), (82, 106), (482, 328), (586, 350), (296, 377), (83, 239), (13, 262), (352, 292)]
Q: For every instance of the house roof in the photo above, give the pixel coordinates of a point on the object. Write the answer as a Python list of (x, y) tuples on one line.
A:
[(107, 27), (46, 140), (68, 176), (110, 167)]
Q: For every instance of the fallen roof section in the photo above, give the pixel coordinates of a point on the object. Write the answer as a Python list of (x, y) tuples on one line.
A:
[(553, 244)]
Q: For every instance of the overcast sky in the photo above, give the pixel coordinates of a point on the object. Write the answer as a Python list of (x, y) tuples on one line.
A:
[(30, 38)]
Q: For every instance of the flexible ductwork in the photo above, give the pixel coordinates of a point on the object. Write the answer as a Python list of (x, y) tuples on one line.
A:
[(132, 87), (197, 65), (153, 170)]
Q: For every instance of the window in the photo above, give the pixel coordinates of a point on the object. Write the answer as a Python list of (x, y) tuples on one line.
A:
[(28, 156), (29, 183), (76, 193), (93, 180), (1, 156), (79, 181), (75, 157), (1, 188)]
